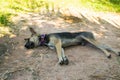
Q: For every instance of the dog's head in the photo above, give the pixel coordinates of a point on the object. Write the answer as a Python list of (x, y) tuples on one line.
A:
[(33, 41)]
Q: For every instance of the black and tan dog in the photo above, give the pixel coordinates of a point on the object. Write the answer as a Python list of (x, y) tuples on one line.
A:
[(61, 40)]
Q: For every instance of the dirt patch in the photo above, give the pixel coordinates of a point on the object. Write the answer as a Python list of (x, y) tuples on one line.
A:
[(86, 63)]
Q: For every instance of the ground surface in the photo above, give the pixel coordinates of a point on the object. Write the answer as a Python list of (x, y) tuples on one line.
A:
[(86, 63)]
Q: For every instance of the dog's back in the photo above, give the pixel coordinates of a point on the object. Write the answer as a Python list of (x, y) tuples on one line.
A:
[(69, 39)]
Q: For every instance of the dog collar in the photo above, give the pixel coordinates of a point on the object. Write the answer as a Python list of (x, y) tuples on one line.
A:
[(42, 39)]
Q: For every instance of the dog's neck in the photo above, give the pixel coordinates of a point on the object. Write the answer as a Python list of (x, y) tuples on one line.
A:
[(43, 39)]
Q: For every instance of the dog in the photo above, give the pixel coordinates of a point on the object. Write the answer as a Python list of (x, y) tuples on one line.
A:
[(59, 41)]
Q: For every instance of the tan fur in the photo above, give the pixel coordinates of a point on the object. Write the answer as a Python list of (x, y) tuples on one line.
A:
[(95, 43), (58, 45), (35, 39)]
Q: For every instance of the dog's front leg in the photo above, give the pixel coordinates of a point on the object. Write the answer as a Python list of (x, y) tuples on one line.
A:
[(56, 43), (62, 58), (66, 61), (58, 46)]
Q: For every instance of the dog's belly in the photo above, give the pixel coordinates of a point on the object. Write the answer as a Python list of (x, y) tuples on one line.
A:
[(70, 42)]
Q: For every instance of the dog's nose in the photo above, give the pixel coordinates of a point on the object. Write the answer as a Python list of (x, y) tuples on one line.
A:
[(26, 46), (29, 45)]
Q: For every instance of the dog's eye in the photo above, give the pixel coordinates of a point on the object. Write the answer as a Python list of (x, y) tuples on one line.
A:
[(26, 39)]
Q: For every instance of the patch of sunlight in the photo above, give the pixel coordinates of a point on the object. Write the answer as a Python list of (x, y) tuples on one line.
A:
[(29, 53), (6, 31), (114, 23), (112, 19), (98, 35), (24, 28)]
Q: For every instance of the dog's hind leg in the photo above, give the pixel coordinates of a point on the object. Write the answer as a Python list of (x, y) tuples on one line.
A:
[(111, 49), (96, 44)]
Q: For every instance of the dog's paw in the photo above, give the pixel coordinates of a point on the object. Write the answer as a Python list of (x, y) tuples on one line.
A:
[(66, 61), (61, 62)]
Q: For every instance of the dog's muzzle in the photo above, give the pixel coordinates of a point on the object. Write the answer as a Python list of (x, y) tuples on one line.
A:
[(29, 45)]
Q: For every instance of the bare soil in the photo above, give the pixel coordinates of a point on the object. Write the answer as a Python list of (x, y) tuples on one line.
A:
[(86, 63)]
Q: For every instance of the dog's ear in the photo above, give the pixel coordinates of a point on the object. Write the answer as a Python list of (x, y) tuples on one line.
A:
[(32, 31)]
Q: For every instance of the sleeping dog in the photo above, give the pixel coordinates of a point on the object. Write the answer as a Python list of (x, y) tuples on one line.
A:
[(59, 41)]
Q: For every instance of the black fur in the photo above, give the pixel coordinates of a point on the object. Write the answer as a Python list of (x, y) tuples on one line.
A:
[(68, 35)]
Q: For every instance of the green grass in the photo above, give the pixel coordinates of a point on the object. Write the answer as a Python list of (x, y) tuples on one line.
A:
[(9, 8), (102, 5)]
